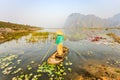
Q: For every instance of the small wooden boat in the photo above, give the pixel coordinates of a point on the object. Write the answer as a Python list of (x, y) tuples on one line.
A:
[(54, 59)]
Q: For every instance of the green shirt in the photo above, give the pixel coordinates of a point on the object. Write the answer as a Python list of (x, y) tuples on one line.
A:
[(59, 39)]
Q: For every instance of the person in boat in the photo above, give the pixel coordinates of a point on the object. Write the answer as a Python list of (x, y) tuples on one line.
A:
[(59, 42)]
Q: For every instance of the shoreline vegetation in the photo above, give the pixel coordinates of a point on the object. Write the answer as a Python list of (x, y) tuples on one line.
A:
[(115, 37), (10, 31), (41, 36), (38, 36)]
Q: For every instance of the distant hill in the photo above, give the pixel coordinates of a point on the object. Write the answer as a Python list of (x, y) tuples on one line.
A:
[(9, 31), (15, 26), (91, 21)]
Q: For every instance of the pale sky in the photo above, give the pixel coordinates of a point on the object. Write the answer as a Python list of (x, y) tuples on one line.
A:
[(53, 13)]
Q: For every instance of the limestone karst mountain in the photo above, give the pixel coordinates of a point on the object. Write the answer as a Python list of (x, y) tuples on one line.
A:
[(80, 20)]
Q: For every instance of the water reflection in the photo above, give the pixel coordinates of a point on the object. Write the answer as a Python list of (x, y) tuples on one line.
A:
[(21, 58), (82, 33)]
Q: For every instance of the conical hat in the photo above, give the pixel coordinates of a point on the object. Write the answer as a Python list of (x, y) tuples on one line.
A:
[(59, 32)]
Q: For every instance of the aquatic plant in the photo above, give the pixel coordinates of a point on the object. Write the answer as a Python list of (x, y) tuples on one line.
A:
[(9, 65), (16, 71), (40, 33), (7, 60), (53, 72), (7, 70), (29, 67), (38, 36), (115, 37)]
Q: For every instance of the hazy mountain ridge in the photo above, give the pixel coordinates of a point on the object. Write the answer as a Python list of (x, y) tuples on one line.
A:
[(80, 20)]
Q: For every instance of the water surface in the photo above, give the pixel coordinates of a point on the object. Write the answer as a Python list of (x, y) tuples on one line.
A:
[(81, 52)]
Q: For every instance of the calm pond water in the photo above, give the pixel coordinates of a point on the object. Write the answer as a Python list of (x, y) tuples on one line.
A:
[(19, 55)]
